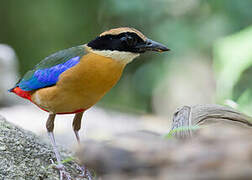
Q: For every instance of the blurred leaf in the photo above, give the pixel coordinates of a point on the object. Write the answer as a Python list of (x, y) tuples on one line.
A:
[(232, 57), (39, 28), (245, 102)]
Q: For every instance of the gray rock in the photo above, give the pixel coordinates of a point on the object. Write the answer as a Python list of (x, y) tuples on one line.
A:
[(24, 155)]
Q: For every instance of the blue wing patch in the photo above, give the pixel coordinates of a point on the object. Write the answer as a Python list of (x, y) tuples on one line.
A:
[(47, 77)]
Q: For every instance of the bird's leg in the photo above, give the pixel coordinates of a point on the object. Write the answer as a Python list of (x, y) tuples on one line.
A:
[(76, 127), (59, 166)]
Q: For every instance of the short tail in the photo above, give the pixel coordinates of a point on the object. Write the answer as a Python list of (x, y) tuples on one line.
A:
[(24, 94), (11, 90), (18, 91)]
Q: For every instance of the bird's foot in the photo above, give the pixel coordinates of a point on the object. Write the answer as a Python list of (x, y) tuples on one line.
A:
[(84, 172), (64, 175)]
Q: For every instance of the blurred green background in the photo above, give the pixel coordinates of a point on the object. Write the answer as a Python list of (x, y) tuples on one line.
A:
[(206, 64)]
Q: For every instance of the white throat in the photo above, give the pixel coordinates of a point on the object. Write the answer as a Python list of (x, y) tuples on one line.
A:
[(122, 56)]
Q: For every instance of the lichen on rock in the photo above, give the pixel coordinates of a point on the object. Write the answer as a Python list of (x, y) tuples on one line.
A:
[(24, 155)]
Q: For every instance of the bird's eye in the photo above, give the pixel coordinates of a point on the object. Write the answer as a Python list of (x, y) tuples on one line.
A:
[(124, 39), (131, 41)]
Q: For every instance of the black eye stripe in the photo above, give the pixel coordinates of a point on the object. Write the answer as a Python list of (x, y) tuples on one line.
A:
[(121, 35), (122, 42)]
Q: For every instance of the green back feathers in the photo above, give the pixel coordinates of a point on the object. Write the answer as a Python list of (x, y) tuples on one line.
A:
[(46, 72), (59, 57)]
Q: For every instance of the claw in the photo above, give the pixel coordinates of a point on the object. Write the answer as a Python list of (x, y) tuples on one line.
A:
[(64, 174), (62, 171), (84, 172)]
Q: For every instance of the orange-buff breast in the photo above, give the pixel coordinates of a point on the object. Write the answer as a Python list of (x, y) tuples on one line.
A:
[(81, 86)]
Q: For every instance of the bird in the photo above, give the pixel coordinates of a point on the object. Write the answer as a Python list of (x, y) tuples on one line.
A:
[(72, 80)]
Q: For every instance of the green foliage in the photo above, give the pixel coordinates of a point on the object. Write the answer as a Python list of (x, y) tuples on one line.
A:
[(232, 62), (36, 29)]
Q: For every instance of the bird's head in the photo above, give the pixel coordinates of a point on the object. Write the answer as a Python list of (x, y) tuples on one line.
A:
[(123, 44)]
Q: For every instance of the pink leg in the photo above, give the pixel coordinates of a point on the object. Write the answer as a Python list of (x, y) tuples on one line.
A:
[(59, 166), (76, 127)]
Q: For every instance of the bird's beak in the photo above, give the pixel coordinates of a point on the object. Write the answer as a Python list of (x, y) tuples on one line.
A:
[(151, 45)]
